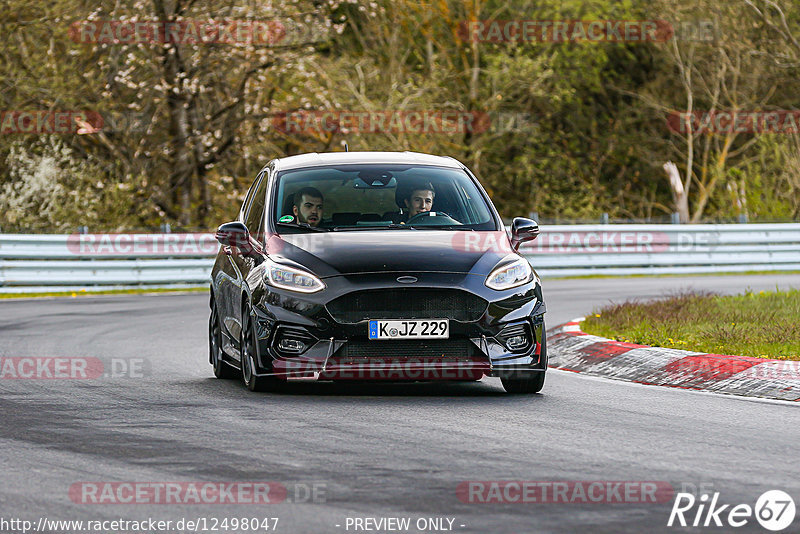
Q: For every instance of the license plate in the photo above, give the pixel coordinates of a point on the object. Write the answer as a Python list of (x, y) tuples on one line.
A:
[(410, 329)]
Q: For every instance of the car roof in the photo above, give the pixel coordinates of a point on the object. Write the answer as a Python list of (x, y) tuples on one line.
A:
[(315, 159)]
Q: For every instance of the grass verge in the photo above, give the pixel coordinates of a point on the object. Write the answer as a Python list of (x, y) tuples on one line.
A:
[(84, 293), (762, 324)]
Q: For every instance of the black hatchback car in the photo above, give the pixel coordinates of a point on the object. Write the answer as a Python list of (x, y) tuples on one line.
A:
[(374, 266)]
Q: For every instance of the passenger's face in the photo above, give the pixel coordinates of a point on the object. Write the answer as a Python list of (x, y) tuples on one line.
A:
[(309, 210), (421, 200)]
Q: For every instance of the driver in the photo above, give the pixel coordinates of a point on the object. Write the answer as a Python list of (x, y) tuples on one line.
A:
[(308, 206), (420, 199)]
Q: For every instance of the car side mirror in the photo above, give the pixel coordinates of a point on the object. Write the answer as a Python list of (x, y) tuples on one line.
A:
[(233, 234), (523, 230)]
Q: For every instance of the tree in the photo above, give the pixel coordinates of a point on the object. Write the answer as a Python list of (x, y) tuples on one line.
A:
[(715, 76)]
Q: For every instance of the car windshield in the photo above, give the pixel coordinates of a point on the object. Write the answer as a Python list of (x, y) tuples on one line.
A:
[(369, 196)]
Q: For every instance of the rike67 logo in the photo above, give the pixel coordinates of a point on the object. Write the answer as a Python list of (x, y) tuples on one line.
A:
[(774, 510)]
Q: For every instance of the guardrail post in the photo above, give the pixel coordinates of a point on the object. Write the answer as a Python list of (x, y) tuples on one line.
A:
[(605, 218), (83, 230), (166, 229), (676, 217)]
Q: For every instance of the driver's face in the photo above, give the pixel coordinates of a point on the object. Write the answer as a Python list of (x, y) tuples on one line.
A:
[(420, 200), (309, 210)]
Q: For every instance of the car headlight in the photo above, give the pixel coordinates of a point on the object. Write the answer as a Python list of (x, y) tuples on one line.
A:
[(286, 277), (510, 275)]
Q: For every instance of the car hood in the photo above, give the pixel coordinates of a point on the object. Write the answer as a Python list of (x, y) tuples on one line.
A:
[(364, 251)]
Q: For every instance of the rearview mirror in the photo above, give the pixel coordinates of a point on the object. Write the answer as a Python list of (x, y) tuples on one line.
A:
[(523, 230), (378, 182)]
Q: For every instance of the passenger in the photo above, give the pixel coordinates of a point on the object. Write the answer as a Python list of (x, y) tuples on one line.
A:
[(308, 206)]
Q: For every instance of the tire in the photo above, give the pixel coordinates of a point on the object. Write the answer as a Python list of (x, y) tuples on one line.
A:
[(222, 369), (527, 385), (248, 355)]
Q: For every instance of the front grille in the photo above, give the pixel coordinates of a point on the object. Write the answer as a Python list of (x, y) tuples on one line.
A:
[(445, 349), (407, 304)]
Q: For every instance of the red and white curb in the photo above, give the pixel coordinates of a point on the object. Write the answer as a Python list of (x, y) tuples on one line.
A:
[(570, 349)]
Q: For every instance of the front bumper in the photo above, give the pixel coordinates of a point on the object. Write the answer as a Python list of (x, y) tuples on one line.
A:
[(336, 350)]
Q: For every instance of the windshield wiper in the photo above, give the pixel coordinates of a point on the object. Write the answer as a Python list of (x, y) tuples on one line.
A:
[(443, 227), (393, 226), (305, 226)]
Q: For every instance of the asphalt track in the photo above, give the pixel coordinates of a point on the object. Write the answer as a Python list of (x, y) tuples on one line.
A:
[(386, 450)]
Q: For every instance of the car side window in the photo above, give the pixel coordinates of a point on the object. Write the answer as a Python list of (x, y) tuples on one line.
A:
[(255, 212), (248, 197)]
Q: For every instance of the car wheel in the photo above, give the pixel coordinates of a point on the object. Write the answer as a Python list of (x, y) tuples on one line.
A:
[(248, 355), (529, 384), (222, 369)]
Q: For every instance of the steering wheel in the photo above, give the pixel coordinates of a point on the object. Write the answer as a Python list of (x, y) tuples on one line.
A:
[(437, 216)]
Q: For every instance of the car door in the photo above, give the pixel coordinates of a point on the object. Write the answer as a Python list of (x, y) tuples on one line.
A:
[(229, 280), (241, 261)]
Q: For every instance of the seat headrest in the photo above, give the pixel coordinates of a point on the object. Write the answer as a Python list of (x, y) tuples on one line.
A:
[(288, 204)]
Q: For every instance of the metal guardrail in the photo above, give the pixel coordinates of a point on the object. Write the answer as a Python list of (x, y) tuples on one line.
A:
[(624, 249), (32, 262)]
